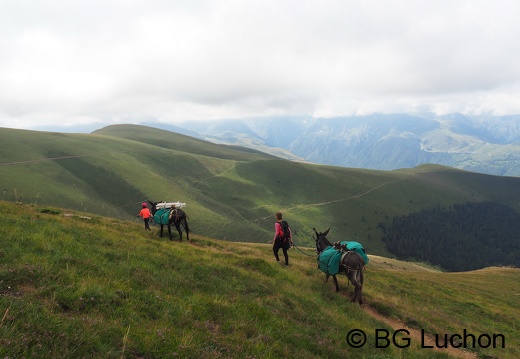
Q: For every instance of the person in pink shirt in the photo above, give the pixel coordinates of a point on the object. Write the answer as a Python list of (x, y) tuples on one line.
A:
[(281, 239), (145, 214)]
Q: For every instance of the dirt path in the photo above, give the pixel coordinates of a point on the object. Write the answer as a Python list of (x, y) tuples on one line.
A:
[(43, 160), (355, 196), (417, 337)]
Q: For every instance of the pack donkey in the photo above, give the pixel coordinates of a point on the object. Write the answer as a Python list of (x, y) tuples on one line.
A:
[(351, 263), (177, 217)]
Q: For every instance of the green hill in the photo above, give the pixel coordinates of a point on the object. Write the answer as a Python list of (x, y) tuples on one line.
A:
[(77, 285), (232, 193)]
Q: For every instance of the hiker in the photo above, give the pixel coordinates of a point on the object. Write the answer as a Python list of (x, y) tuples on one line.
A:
[(145, 214), (281, 240)]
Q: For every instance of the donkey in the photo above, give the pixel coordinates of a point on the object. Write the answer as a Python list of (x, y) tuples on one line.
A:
[(352, 264), (177, 217)]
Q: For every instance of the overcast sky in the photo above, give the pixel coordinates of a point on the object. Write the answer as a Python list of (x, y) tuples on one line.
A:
[(126, 61)]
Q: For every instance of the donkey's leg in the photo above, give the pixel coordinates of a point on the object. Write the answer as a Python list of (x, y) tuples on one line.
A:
[(162, 227), (361, 286), (356, 280), (170, 232), (351, 276), (336, 283), (177, 225), (186, 229), (359, 296)]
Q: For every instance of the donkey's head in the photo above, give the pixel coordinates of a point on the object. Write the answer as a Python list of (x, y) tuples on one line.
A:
[(153, 206), (321, 240)]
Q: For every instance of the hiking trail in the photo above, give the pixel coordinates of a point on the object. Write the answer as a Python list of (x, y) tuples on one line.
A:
[(417, 337)]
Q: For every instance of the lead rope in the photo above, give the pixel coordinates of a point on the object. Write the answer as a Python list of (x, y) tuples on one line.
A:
[(310, 255)]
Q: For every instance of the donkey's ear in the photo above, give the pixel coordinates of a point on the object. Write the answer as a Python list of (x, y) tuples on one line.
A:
[(315, 231), (326, 232)]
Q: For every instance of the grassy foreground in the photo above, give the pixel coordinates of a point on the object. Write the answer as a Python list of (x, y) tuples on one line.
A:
[(74, 287)]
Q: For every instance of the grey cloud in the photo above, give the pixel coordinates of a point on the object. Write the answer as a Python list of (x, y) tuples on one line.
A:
[(209, 59)]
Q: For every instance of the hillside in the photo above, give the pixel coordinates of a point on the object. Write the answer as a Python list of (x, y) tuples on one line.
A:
[(232, 193), (79, 285)]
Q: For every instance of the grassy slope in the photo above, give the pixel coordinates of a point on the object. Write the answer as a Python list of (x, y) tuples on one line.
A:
[(231, 194), (71, 287)]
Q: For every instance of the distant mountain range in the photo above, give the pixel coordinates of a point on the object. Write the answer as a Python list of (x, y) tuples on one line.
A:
[(484, 143)]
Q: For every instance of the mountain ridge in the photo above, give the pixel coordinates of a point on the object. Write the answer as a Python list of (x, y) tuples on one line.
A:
[(485, 144)]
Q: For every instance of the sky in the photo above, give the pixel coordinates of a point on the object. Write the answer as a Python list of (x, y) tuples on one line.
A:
[(77, 62)]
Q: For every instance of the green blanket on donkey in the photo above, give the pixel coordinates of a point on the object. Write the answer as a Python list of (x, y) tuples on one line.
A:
[(162, 216), (356, 247), (328, 261)]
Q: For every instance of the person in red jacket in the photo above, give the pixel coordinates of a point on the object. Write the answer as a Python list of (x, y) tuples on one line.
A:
[(145, 214), (280, 240)]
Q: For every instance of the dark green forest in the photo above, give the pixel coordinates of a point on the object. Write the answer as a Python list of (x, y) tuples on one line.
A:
[(459, 238)]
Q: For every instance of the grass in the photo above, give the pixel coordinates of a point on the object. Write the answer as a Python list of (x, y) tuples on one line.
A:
[(73, 287)]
